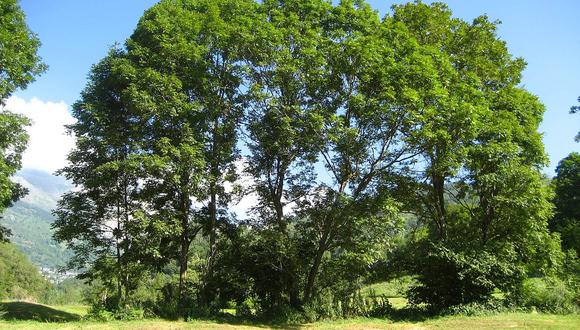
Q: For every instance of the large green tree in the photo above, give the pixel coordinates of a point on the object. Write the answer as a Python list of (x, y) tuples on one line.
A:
[(103, 220), (200, 45), (480, 190), (373, 74), (286, 67), (19, 65), (349, 120), (326, 125)]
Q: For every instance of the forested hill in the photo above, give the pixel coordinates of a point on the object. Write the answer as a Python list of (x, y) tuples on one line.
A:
[(19, 279), (30, 218)]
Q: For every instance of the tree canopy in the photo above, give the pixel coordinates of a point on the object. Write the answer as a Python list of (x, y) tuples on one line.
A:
[(345, 128)]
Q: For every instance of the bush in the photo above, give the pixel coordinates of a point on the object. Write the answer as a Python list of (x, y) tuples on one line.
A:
[(128, 314), (449, 278), (99, 313), (547, 294), (490, 307), (246, 308)]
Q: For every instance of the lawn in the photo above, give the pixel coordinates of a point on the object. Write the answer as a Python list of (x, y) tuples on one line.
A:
[(20, 315)]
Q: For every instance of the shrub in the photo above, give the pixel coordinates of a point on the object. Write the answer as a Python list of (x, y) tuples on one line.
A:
[(246, 308), (493, 306), (547, 294), (449, 278), (98, 313)]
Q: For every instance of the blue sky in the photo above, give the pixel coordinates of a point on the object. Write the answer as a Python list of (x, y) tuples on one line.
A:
[(77, 33)]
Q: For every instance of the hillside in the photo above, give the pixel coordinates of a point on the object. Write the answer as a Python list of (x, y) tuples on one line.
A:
[(19, 279), (30, 219)]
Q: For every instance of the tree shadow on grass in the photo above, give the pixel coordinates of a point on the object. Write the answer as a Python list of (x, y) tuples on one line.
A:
[(18, 310)]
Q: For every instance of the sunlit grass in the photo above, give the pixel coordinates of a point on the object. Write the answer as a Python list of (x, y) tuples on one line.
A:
[(499, 321), (74, 309)]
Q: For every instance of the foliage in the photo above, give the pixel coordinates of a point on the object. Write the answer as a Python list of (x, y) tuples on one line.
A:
[(19, 64), (548, 294), (13, 139), (19, 279), (449, 278), (101, 221), (491, 307), (68, 292), (352, 125), (566, 219), (480, 193), (576, 109), (198, 47), (396, 287)]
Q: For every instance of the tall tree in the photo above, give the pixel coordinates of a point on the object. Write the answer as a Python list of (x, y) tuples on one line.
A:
[(101, 219), (286, 67), (374, 74), (448, 111), (19, 65), (482, 154), (200, 44)]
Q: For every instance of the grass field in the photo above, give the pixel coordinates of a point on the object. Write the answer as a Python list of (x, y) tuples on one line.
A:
[(20, 315)]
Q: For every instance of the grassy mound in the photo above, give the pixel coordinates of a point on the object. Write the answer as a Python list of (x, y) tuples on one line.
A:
[(18, 310)]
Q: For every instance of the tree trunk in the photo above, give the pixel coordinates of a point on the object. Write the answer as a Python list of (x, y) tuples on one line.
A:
[(279, 208), (183, 273), (205, 294), (438, 182), (294, 291), (309, 289), (214, 177), (119, 284), (185, 240), (119, 262)]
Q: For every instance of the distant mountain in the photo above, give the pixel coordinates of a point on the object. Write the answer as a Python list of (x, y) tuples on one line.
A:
[(30, 218)]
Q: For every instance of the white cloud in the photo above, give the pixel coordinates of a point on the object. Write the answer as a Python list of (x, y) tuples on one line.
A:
[(48, 145), (249, 199)]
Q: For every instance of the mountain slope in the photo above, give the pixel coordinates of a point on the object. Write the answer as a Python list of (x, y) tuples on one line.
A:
[(30, 218), (19, 279)]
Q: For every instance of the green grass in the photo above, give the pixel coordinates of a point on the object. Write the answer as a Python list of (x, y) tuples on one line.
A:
[(501, 321), (73, 309), (398, 302), (393, 288), (69, 317), (17, 310)]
